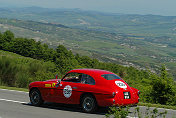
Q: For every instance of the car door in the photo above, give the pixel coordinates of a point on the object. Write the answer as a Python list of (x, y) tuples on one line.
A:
[(86, 84), (67, 91)]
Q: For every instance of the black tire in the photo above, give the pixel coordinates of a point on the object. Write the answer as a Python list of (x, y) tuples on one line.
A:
[(89, 104), (35, 97)]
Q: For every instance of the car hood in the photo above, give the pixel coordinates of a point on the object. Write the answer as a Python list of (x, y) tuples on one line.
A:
[(53, 80)]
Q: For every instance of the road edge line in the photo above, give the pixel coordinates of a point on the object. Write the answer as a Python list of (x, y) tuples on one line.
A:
[(14, 91)]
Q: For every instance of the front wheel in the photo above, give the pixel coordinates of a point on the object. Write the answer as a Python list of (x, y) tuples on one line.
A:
[(35, 97), (89, 104)]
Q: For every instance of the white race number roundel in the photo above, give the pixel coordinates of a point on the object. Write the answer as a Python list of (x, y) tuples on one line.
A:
[(67, 91), (121, 84)]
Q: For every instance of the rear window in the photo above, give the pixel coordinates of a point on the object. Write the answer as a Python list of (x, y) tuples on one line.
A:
[(110, 76)]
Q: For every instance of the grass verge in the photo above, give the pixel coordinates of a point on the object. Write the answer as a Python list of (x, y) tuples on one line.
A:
[(14, 88), (157, 105)]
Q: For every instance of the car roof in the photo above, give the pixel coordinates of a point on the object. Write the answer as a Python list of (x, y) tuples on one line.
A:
[(91, 71)]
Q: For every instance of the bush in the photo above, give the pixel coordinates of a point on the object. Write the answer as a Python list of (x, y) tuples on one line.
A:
[(117, 112), (20, 71), (8, 71), (162, 91), (122, 112), (22, 80)]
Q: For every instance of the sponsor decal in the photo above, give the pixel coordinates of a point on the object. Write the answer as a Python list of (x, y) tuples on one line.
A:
[(121, 84), (47, 85), (67, 91), (50, 85)]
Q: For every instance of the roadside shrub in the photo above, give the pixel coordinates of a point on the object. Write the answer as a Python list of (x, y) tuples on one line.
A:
[(8, 71), (19, 71), (115, 112), (43, 75), (162, 91), (22, 80), (122, 112)]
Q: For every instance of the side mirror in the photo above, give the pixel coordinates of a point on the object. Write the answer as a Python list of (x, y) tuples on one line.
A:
[(57, 85)]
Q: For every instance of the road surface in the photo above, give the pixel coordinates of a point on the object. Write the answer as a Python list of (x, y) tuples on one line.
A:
[(16, 104)]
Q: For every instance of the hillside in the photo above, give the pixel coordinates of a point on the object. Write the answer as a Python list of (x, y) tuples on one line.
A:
[(125, 49), (19, 71)]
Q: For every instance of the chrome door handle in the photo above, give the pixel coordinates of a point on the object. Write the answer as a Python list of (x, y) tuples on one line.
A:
[(74, 87)]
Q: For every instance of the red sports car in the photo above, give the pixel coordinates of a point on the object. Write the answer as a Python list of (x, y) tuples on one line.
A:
[(88, 87)]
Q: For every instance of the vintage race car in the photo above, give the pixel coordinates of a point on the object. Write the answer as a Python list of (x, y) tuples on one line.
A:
[(88, 87)]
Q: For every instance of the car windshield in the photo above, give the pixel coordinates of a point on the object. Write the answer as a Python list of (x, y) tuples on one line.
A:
[(110, 76)]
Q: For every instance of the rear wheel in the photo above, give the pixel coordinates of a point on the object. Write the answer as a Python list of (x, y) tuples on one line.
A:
[(89, 104), (35, 97)]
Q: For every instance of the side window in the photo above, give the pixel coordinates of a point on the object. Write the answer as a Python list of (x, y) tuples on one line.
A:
[(86, 79), (110, 76), (72, 77)]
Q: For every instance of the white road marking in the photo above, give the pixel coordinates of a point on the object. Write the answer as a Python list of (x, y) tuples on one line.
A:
[(14, 91), (13, 101), (131, 117)]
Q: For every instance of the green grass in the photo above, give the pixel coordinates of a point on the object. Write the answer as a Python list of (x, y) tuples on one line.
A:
[(157, 105), (23, 70), (14, 88)]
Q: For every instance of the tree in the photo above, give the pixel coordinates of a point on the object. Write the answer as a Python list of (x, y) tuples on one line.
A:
[(1, 41), (162, 88), (8, 36), (65, 59), (61, 50)]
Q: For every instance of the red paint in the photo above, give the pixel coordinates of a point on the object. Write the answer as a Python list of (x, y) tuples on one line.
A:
[(106, 92)]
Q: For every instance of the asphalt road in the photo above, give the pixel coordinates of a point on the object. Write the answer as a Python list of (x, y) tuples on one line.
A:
[(15, 104)]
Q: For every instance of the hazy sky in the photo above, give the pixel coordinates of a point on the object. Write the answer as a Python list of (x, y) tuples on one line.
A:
[(160, 7)]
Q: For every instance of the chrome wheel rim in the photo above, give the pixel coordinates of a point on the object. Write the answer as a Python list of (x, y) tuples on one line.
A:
[(88, 104), (35, 97)]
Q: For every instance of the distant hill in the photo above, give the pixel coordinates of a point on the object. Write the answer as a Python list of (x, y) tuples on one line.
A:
[(124, 23), (136, 40)]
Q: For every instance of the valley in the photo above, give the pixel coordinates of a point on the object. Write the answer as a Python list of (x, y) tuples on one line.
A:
[(142, 41)]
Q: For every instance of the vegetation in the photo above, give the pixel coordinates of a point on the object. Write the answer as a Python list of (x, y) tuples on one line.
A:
[(42, 63), (157, 105), (162, 88), (140, 49), (124, 112), (117, 112), (14, 88), (148, 25), (19, 71)]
